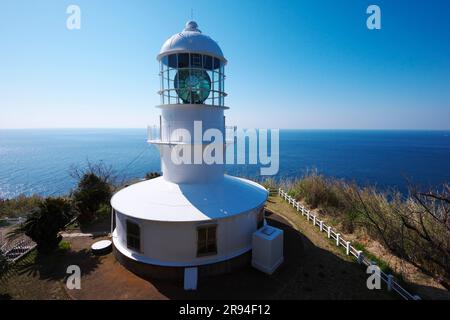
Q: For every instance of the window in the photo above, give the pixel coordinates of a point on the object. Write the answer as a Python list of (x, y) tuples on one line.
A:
[(172, 60), (113, 222), (183, 60), (207, 62), (206, 240), (196, 60), (133, 236), (216, 63), (260, 219)]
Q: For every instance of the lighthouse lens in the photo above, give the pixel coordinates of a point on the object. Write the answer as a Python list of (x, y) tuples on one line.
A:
[(192, 86)]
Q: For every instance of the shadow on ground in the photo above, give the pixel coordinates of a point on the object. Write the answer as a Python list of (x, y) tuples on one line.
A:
[(308, 272), (54, 266)]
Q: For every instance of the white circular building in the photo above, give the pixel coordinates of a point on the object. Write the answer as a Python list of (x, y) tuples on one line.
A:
[(193, 215)]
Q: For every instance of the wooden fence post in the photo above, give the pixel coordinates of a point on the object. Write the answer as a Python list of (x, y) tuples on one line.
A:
[(314, 220), (321, 225), (338, 237), (347, 248), (329, 232)]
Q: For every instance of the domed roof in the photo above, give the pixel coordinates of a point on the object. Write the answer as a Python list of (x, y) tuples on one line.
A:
[(191, 39)]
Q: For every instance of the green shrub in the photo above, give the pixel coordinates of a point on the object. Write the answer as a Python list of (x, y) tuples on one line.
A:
[(93, 192), (45, 222), (64, 245)]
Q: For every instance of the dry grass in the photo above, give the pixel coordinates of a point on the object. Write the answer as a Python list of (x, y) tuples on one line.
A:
[(414, 228)]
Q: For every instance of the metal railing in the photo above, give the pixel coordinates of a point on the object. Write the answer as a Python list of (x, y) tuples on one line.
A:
[(333, 234), (166, 133), (15, 249)]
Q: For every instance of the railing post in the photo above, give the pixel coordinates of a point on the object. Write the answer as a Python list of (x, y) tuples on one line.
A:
[(314, 220), (298, 206), (329, 232), (307, 215), (360, 257), (390, 278), (338, 237), (347, 248), (321, 225)]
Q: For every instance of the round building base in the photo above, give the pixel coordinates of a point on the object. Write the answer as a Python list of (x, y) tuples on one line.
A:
[(150, 271)]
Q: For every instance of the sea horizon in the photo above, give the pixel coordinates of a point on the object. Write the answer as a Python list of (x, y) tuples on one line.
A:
[(284, 129), (387, 159)]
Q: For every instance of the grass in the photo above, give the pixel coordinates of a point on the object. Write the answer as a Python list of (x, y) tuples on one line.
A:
[(384, 217), (383, 265), (322, 247)]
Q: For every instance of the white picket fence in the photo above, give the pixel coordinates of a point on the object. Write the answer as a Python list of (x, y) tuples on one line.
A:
[(349, 249)]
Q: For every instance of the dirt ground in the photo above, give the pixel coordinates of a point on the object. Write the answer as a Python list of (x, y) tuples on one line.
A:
[(309, 272)]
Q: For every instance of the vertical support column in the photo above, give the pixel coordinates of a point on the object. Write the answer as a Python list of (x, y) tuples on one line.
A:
[(338, 238), (321, 225), (112, 220), (347, 248), (160, 128), (329, 232)]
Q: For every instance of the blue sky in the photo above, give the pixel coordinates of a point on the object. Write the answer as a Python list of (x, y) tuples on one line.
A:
[(292, 64)]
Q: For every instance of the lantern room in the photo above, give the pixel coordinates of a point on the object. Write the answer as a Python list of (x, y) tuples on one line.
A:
[(192, 69)]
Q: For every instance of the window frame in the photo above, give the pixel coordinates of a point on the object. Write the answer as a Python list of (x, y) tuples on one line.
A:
[(210, 245), (133, 236)]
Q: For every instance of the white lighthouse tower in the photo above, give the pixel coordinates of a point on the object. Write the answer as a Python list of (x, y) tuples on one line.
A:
[(194, 216)]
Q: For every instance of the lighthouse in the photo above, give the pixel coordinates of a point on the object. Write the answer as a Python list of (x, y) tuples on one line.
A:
[(193, 217)]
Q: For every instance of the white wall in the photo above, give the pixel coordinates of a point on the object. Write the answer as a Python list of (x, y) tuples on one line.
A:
[(175, 243), (182, 117)]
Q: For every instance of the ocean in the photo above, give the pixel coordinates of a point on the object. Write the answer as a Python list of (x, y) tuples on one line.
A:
[(38, 161)]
